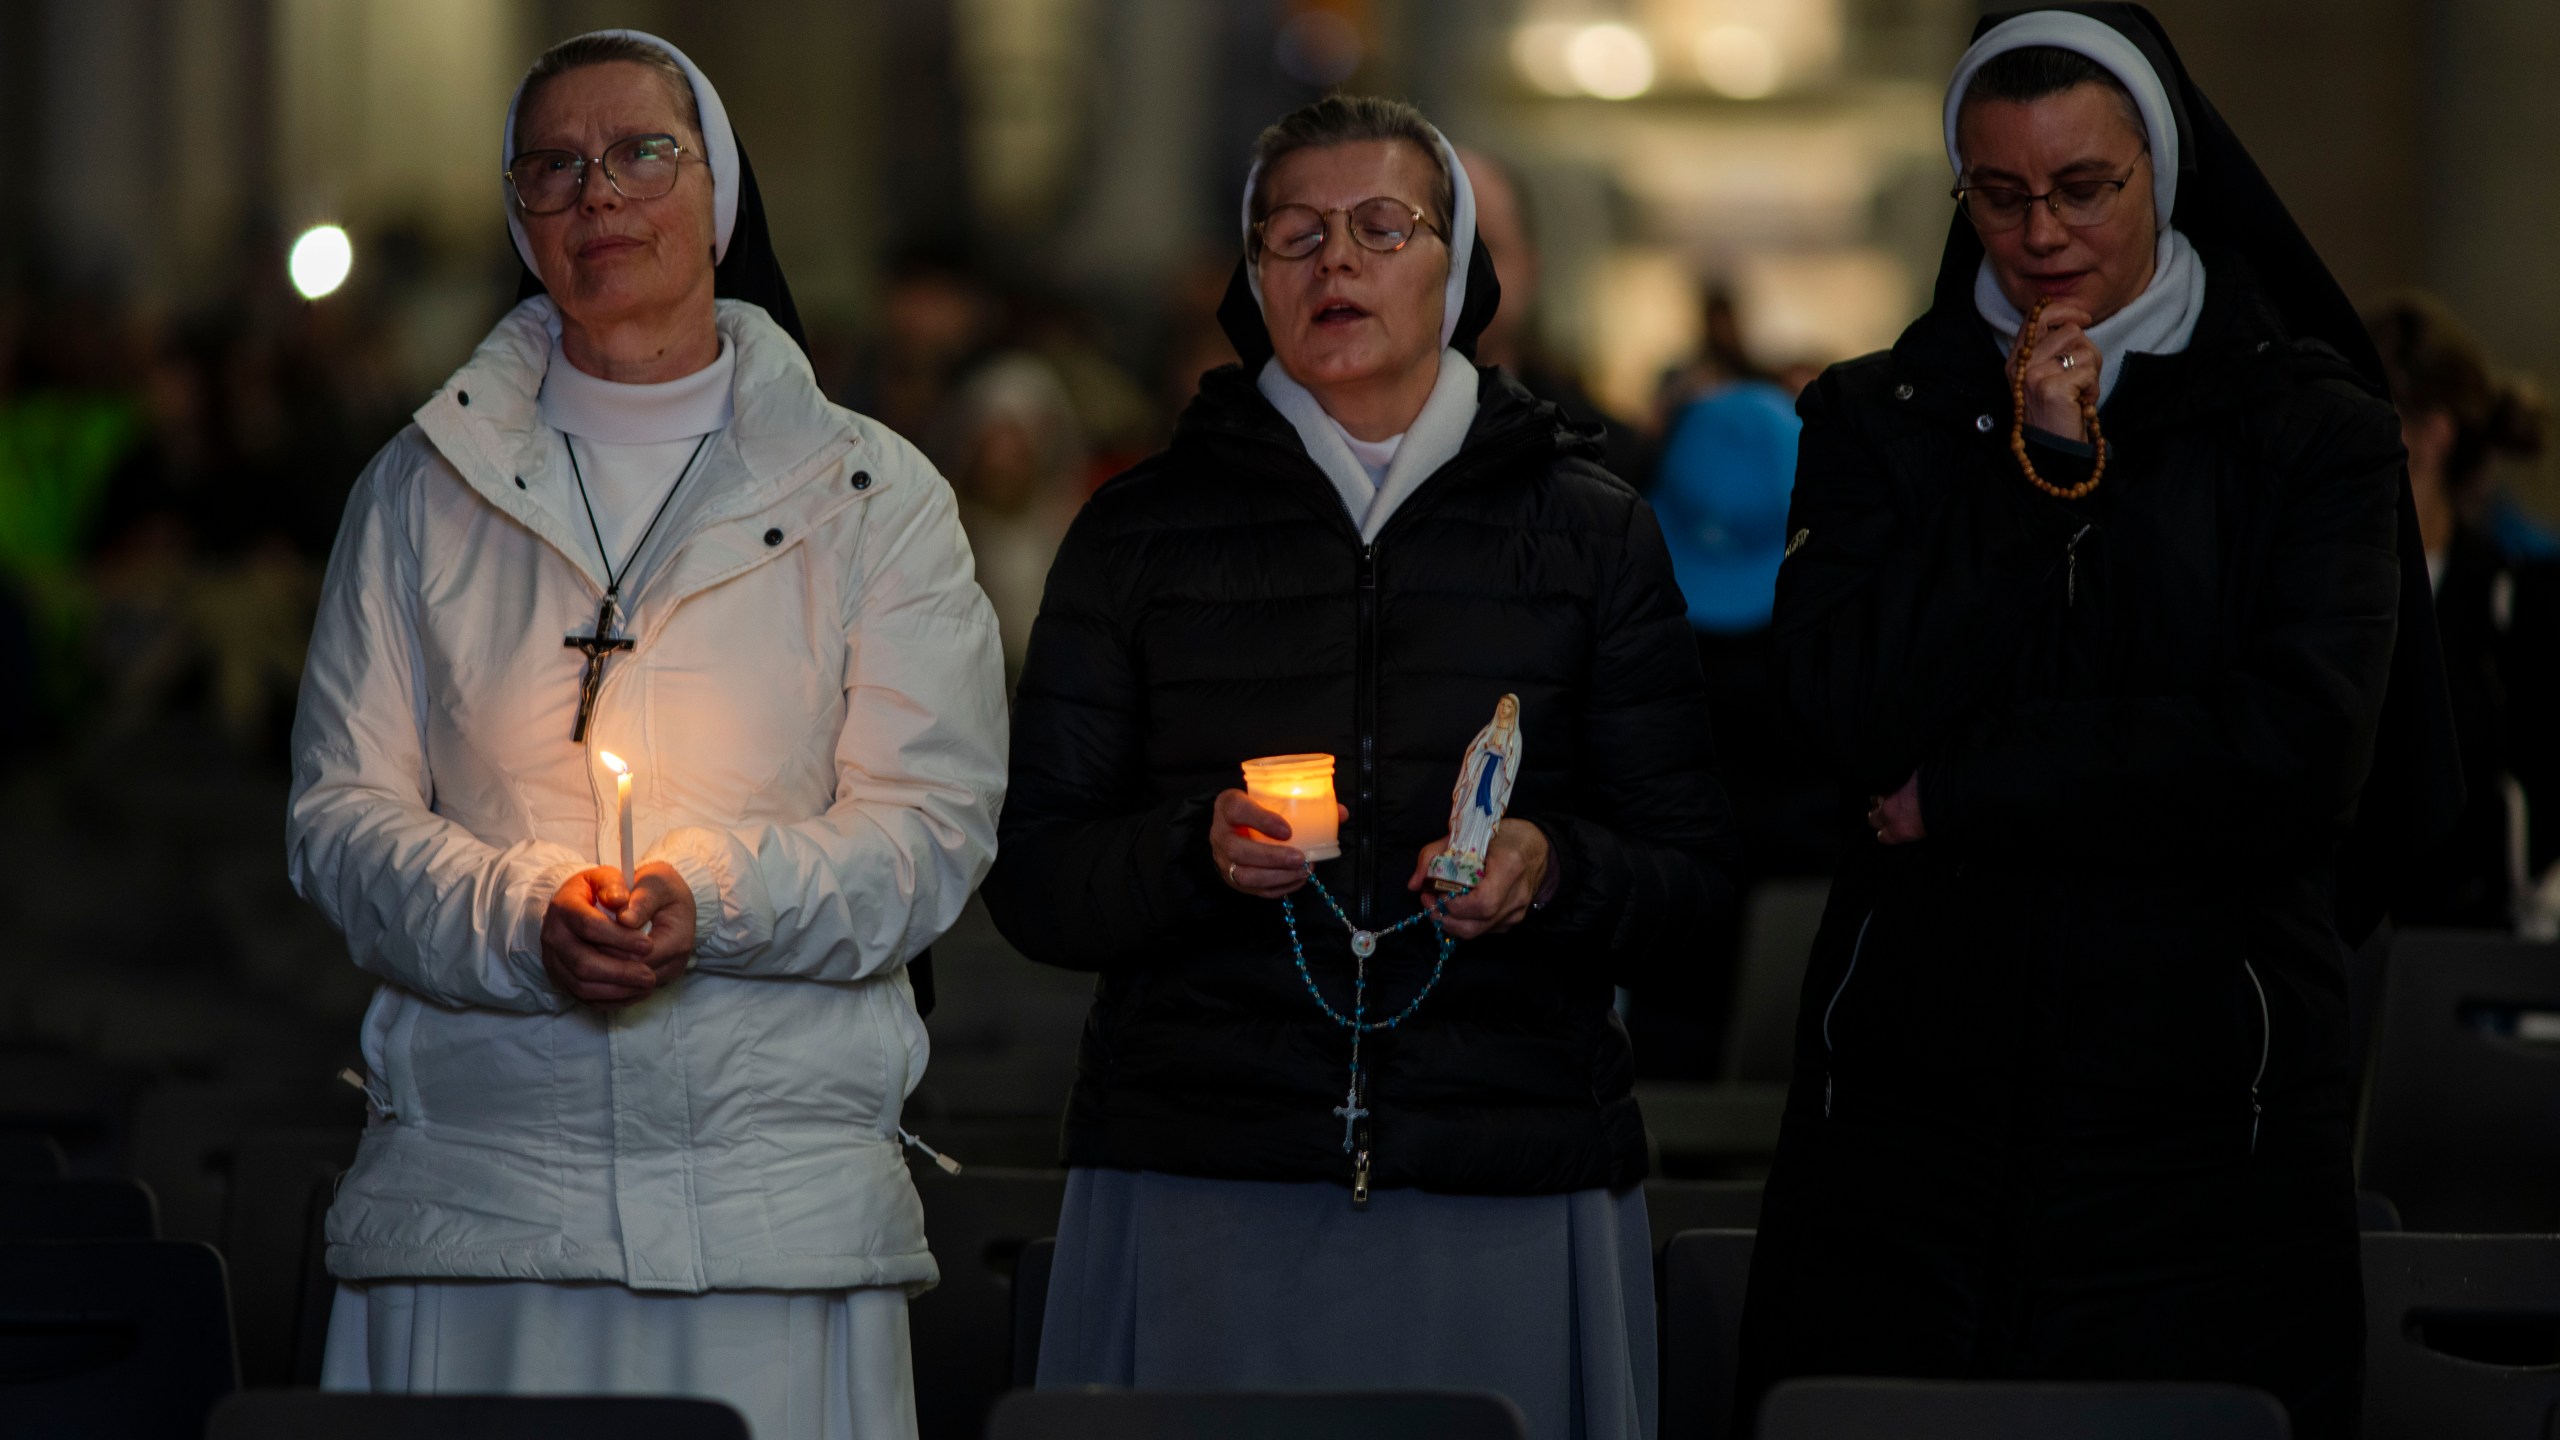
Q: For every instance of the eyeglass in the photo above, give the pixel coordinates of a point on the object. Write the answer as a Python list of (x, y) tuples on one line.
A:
[(639, 167), (2073, 202), (1381, 223)]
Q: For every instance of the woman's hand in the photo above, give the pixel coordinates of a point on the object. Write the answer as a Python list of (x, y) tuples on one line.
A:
[(662, 904), (588, 953), (2054, 389), (1515, 868), (1249, 866), (1896, 817)]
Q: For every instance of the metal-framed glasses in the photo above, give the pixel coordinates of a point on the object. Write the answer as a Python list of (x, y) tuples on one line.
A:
[(639, 167), (1381, 223), (2073, 202)]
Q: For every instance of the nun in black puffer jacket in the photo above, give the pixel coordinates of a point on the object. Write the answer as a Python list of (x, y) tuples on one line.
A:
[(1357, 548)]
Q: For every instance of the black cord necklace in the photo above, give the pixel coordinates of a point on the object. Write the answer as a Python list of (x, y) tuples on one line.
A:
[(600, 645)]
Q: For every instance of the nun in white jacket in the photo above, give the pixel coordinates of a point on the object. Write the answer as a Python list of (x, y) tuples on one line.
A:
[(642, 1140)]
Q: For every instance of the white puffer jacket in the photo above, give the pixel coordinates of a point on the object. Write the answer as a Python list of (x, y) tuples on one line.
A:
[(816, 714)]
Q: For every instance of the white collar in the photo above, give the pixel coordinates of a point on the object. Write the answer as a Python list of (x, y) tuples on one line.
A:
[(574, 402), (1433, 440)]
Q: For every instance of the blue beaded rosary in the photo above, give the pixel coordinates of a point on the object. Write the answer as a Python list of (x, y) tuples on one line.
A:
[(1364, 943)]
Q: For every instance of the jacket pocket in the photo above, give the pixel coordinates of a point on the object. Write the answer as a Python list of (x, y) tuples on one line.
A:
[(2266, 1047), (1856, 949)]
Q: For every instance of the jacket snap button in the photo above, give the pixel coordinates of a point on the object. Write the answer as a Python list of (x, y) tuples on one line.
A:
[(861, 479), (1902, 391), (464, 396), (773, 537), (1982, 423)]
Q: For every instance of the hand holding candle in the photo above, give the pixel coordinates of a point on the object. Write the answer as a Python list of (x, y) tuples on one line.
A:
[(1298, 789), (1245, 839)]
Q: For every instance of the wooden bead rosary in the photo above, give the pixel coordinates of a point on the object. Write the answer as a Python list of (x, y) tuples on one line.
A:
[(2018, 422)]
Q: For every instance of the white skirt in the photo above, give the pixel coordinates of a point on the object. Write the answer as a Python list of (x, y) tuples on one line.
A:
[(800, 1365)]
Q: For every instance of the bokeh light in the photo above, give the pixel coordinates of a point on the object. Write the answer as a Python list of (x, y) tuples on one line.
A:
[(1611, 61), (1738, 60), (319, 261)]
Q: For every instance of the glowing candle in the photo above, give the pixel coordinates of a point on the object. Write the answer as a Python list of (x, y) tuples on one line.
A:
[(1298, 789), (622, 801)]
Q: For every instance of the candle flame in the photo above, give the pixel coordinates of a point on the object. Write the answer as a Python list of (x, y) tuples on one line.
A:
[(613, 762)]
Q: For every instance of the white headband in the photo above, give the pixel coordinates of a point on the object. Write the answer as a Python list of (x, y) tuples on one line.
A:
[(1462, 236), (2111, 51), (719, 143)]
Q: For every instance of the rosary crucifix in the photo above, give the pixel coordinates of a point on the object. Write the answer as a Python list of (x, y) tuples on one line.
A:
[(598, 648)]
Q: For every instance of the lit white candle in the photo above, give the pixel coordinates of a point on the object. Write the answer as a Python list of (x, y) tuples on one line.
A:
[(622, 801)]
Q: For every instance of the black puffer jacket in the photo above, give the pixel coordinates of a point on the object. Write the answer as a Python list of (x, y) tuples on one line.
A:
[(1216, 603)]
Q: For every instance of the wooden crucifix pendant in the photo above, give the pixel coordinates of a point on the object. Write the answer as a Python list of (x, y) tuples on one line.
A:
[(598, 648)]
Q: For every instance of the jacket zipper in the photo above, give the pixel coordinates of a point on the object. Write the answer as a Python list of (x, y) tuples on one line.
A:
[(1365, 719), (2071, 568), (1855, 950), (2266, 1044)]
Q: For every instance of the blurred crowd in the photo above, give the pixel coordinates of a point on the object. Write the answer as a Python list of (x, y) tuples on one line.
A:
[(170, 485)]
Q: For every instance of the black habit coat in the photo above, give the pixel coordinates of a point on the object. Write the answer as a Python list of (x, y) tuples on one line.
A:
[(2072, 1095)]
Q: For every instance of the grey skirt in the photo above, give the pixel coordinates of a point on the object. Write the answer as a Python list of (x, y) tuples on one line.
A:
[(1173, 1283)]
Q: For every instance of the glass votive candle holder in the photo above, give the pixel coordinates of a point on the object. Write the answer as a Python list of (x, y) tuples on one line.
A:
[(1298, 789)]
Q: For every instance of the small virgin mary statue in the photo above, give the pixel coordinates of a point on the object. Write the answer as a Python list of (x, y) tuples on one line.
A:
[(1476, 806)]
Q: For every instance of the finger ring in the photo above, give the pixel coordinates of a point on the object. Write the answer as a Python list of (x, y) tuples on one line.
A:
[(2068, 360), (1231, 872)]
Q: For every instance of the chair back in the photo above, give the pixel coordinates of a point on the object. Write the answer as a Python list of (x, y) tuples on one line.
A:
[(316, 1289), (312, 1415), (1671, 1206), (1860, 1409), (30, 1155), (978, 1223), (1704, 1273), (1255, 1415), (78, 1210), (265, 1235), (1031, 1306), (1777, 940), (2462, 1122), (2462, 1335), (113, 1337)]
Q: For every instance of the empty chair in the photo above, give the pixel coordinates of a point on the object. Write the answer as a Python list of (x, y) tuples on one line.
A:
[(1777, 939), (2462, 1335), (1676, 1205), (186, 1137), (78, 1210), (2462, 1128), (1712, 1132), (1031, 1305), (78, 1101), (317, 1288), (264, 1229), (129, 1338), (1704, 1273), (2376, 1212), (962, 1330), (1251, 1415), (30, 1155), (307, 1415), (1826, 1409)]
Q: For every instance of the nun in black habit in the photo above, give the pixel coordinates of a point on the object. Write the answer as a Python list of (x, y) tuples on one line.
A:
[(2122, 646)]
